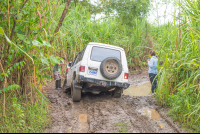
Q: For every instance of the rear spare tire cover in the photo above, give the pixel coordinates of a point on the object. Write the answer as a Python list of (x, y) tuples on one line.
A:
[(111, 68)]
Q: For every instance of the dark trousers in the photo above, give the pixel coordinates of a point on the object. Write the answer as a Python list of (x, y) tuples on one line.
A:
[(153, 80)]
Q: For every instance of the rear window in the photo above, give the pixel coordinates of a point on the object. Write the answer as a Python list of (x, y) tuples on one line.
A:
[(100, 53)]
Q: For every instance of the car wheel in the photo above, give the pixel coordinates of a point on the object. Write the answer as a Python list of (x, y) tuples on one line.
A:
[(75, 93), (111, 68), (117, 93)]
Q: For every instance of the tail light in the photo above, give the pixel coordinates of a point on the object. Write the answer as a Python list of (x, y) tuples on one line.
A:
[(82, 68), (125, 75)]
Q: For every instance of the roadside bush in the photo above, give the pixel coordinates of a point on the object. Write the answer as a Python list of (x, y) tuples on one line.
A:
[(179, 83)]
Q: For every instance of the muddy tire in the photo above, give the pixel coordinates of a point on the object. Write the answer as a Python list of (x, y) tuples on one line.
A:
[(117, 93), (111, 68), (75, 93)]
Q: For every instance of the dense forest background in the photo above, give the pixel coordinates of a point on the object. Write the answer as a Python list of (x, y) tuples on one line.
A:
[(34, 34)]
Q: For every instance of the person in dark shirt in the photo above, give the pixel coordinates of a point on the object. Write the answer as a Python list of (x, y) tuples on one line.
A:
[(56, 73)]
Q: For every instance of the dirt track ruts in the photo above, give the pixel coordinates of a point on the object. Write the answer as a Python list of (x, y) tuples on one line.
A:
[(105, 113)]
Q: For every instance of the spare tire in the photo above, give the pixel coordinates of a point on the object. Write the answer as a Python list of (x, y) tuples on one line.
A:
[(111, 68)]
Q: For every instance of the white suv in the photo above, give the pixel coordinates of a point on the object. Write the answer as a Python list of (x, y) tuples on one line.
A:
[(98, 67)]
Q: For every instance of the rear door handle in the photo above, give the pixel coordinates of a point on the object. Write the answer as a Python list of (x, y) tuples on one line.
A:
[(93, 68)]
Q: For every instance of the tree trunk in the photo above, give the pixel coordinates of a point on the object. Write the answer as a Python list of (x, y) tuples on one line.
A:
[(61, 19)]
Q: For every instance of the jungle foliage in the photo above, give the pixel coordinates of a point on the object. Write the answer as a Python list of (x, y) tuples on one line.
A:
[(26, 55), (178, 46), (34, 35)]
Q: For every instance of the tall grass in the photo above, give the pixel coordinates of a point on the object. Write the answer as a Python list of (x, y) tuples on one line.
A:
[(24, 117), (26, 57), (78, 30), (179, 81)]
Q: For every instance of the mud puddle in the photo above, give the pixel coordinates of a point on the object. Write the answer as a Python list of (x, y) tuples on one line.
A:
[(103, 113)]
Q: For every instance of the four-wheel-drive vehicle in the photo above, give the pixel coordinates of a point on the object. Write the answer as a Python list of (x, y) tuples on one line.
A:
[(98, 67)]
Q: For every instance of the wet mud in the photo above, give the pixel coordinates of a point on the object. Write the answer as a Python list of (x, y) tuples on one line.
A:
[(103, 113)]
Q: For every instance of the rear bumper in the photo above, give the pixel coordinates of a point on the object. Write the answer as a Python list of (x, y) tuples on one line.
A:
[(103, 83)]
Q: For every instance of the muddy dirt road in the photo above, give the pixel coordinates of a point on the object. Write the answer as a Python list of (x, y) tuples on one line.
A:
[(102, 113)]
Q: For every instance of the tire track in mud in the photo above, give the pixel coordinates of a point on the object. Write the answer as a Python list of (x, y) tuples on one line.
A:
[(169, 121), (105, 113)]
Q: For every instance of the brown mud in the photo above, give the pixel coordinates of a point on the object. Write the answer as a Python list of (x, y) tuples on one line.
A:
[(103, 113)]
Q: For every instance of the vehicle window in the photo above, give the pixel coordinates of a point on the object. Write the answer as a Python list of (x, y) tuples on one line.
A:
[(73, 63), (100, 53), (81, 54), (70, 64), (77, 59)]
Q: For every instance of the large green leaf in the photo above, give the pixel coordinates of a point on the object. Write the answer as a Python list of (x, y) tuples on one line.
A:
[(36, 43), (39, 44), (11, 43), (21, 36), (44, 61), (46, 44), (54, 60), (1, 31), (11, 87)]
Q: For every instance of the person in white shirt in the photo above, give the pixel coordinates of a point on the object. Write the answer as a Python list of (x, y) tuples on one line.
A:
[(152, 63)]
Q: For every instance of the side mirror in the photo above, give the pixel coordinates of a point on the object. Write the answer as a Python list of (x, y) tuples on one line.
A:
[(69, 64)]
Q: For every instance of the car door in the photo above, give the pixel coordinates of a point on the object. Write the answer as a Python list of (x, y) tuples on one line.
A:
[(70, 73)]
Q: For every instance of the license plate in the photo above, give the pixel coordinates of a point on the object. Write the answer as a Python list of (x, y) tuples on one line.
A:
[(92, 72)]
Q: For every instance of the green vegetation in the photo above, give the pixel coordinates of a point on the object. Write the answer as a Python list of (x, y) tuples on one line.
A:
[(81, 31), (122, 127), (25, 118), (179, 82), (32, 42)]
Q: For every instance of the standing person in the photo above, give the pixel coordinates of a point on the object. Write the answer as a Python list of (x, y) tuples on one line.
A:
[(56, 73), (152, 63)]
